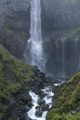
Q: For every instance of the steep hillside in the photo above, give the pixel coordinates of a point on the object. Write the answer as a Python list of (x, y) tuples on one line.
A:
[(16, 78), (68, 105)]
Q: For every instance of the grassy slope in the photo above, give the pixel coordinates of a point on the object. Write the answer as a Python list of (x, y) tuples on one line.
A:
[(69, 100), (13, 74)]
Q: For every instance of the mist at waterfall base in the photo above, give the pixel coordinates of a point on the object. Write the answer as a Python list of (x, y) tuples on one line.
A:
[(63, 57)]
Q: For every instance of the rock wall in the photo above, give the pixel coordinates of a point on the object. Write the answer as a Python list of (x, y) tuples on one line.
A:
[(15, 23), (60, 14)]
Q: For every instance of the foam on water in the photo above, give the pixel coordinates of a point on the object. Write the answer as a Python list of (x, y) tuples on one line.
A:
[(35, 98)]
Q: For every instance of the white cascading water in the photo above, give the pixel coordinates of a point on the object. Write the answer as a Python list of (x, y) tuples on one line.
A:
[(35, 98), (63, 52), (76, 52), (76, 46), (35, 44)]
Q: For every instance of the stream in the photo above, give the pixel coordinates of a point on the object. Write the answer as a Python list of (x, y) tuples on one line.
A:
[(43, 102)]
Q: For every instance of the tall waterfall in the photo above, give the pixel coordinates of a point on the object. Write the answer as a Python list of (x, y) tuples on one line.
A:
[(63, 42), (76, 46), (35, 44)]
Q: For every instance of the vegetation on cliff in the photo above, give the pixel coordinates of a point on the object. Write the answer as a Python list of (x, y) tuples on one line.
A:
[(68, 105), (14, 76), (75, 33)]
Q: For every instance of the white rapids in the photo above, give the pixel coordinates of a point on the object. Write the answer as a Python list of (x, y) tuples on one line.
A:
[(35, 98)]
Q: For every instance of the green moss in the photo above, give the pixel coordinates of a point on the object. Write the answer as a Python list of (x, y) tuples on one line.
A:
[(13, 74), (71, 2), (15, 34), (66, 117), (74, 33), (9, 31), (69, 100), (23, 35)]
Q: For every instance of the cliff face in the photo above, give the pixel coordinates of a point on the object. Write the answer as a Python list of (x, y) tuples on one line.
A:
[(15, 23), (60, 14), (59, 18)]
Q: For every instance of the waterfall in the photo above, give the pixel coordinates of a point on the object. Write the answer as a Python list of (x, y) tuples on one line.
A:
[(77, 56), (63, 56), (57, 55), (76, 46), (34, 52)]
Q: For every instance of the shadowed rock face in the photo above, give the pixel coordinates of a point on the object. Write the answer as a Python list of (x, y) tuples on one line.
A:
[(59, 14), (16, 11), (15, 21), (55, 13), (10, 6)]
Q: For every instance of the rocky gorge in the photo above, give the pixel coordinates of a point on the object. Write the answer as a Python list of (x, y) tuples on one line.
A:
[(47, 32), (16, 80)]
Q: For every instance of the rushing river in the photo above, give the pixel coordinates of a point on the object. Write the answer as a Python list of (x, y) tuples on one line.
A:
[(48, 94), (42, 101)]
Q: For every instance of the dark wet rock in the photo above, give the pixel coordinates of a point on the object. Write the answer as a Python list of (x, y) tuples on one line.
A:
[(22, 114), (4, 100), (26, 98), (39, 112), (23, 117), (1, 57), (40, 102), (45, 107), (38, 107), (27, 108), (42, 105), (30, 104), (74, 111), (38, 92), (28, 118)]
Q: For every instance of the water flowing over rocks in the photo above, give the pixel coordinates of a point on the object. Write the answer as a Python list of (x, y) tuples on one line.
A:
[(40, 98), (44, 97), (22, 99)]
